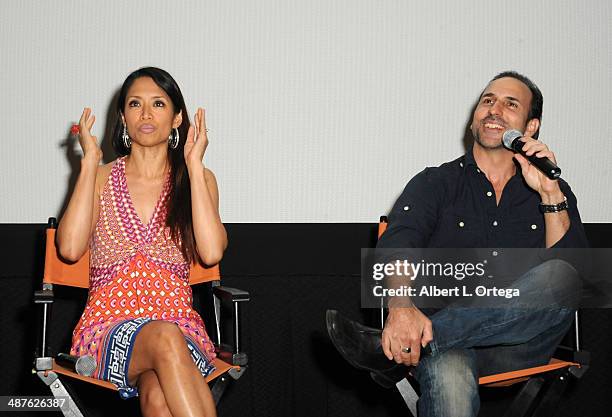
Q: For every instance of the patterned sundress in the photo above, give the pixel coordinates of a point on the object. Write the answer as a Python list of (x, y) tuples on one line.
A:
[(137, 274)]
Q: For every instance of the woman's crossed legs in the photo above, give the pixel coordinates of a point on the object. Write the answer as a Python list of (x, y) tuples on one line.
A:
[(169, 383)]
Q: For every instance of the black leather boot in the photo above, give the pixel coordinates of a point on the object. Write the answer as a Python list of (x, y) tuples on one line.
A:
[(361, 346)]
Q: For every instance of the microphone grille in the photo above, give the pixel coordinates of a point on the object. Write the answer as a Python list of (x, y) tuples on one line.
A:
[(510, 136), (85, 365)]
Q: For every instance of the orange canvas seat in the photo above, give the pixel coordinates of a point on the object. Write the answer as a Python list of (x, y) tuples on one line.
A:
[(221, 367), (509, 378)]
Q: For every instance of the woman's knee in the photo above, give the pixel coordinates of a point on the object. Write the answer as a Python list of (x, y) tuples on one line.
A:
[(164, 340)]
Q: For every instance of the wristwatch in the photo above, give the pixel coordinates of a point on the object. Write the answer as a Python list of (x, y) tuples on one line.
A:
[(554, 208)]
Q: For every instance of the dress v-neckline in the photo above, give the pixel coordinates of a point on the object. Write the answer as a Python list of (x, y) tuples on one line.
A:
[(145, 229)]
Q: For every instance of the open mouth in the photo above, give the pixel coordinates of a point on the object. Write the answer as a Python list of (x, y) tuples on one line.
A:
[(492, 125)]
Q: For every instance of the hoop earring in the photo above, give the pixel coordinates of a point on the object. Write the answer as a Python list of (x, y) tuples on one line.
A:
[(127, 142), (173, 139)]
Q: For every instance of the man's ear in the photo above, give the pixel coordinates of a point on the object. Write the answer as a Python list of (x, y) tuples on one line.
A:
[(532, 127), (178, 119)]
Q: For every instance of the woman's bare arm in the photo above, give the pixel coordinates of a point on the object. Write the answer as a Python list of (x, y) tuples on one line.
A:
[(209, 232), (77, 224)]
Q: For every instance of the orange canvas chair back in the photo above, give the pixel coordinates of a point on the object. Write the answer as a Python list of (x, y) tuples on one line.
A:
[(382, 226), (58, 271)]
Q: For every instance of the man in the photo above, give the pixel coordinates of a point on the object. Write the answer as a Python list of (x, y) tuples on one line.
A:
[(488, 198)]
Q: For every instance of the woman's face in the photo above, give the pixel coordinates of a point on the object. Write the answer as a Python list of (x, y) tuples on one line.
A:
[(149, 114)]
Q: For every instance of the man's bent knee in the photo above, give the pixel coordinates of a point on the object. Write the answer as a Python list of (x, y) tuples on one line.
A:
[(561, 281)]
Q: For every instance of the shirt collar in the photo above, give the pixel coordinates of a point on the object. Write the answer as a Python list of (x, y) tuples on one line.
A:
[(468, 160)]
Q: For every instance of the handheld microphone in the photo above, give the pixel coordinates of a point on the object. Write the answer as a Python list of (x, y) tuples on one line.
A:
[(82, 365), (512, 141)]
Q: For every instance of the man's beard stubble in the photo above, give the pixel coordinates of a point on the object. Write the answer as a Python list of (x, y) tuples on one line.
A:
[(486, 145)]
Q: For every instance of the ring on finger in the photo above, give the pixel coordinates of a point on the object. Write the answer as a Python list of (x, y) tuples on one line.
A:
[(406, 349)]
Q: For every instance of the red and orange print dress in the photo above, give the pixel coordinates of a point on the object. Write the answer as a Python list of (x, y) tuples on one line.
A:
[(137, 274)]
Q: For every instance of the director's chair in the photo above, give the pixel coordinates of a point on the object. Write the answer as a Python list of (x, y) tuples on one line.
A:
[(230, 363), (544, 385)]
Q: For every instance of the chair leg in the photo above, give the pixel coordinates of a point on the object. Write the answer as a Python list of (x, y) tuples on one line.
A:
[(69, 409), (552, 395), (221, 383), (219, 388), (408, 394), (523, 403)]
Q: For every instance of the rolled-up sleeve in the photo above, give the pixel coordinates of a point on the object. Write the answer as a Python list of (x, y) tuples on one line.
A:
[(414, 216), (575, 237)]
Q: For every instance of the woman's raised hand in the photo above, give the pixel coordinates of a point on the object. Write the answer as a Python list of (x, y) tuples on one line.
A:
[(197, 140), (89, 143)]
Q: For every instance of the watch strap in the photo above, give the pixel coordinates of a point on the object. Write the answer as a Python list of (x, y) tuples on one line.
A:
[(554, 208)]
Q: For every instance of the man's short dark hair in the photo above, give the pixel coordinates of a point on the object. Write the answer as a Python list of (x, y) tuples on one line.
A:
[(537, 100)]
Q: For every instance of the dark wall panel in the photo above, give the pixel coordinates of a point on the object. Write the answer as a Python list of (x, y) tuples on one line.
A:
[(295, 272)]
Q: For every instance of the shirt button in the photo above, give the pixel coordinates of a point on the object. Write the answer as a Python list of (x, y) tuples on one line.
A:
[(406, 208), (478, 170), (489, 193), (534, 226), (461, 224), (494, 253), (495, 223), (461, 164)]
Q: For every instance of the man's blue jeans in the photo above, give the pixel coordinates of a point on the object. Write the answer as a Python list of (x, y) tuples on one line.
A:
[(470, 341)]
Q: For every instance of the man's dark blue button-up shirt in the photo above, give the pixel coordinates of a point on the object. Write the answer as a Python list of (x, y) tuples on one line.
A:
[(454, 206)]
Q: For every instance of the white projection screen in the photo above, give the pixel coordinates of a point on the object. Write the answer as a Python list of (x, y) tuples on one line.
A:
[(320, 110)]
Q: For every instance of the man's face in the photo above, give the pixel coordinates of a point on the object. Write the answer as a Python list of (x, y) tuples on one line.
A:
[(504, 104)]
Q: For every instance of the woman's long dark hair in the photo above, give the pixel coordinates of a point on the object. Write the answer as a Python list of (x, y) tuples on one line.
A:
[(179, 202)]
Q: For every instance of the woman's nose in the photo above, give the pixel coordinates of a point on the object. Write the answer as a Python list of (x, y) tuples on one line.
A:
[(146, 112)]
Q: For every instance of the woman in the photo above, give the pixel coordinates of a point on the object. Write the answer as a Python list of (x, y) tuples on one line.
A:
[(145, 217)]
